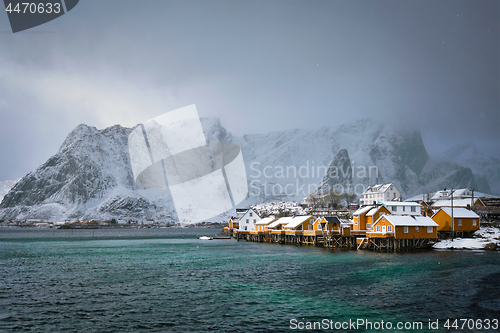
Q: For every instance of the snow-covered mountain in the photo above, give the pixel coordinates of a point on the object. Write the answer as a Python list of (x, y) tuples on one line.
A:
[(91, 178), (487, 167), (5, 187), (288, 165)]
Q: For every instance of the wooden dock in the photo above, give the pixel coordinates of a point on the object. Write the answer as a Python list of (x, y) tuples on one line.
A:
[(328, 240), (333, 240)]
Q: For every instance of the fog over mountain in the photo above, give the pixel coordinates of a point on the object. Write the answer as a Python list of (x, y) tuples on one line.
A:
[(259, 66), (91, 178)]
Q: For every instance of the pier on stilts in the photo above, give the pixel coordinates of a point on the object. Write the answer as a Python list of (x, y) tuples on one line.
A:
[(394, 245), (390, 233), (334, 240), (326, 239)]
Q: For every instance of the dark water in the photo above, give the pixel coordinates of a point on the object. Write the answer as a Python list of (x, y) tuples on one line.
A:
[(163, 280)]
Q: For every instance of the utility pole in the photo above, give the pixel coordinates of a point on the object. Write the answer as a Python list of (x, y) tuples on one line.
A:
[(472, 202), (452, 221)]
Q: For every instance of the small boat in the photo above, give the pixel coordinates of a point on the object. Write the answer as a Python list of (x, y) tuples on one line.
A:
[(205, 238)]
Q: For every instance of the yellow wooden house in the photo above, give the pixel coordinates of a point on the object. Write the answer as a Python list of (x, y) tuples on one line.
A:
[(426, 209), (276, 227), (359, 219), (373, 215), (403, 227), (464, 220), (298, 224), (234, 223), (326, 224), (263, 224)]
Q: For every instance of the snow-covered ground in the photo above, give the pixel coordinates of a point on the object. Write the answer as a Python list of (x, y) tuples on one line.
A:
[(275, 208), (482, 237)]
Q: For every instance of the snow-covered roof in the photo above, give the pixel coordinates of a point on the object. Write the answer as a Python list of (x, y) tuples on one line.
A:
[(461, 193), (399, 203), (406, 220), (298, 220), (460, 212), (362, 210), (266, 221), (281, 220), (379, 188), (456, 202), (373, 211), (240, 214), (457, 193)]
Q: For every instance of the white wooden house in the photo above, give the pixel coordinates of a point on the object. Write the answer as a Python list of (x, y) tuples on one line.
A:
[(248, 220), (380, 192), (403, 207)]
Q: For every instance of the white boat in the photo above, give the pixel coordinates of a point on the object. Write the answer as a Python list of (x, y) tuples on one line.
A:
[(205, 238)]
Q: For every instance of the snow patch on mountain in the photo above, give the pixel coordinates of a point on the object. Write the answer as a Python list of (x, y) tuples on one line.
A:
[(5, 187), (91, 178), (485, 166)]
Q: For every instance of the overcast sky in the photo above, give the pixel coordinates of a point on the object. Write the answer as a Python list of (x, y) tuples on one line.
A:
[(259, 66)]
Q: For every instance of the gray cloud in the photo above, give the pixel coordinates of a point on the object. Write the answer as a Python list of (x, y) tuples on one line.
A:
[(259, 66)]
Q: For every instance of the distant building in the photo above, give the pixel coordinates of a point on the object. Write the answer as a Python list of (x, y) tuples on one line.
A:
[(445, 195), (465, 203), (380, 192)]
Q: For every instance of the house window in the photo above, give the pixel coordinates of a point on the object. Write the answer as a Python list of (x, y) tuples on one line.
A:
[(404, 208), (254, 220), (413, 209), (245, 228), (378, 228), (474, 222), (459, 222), (250, 214), (246, 222), (416, 228), (394, 195), (389, 228), (310, 227), (394, 208), (406, 230), (429, 230)]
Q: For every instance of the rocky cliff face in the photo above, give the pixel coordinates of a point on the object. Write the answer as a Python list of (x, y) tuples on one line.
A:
[(5, 187), (399, 157), (91, 178), (486, 168), (339, 176)]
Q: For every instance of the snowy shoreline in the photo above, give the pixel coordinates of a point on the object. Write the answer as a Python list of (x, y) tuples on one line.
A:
[(486, 238)]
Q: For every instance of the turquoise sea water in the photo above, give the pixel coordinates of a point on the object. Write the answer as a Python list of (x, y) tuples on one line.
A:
[(166, 280)]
